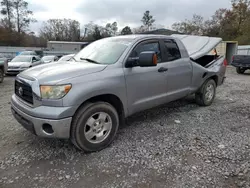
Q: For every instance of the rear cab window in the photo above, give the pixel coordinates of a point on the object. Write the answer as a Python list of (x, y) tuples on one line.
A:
[(172, 50)]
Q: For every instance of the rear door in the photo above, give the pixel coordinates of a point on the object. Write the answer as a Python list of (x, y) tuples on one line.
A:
[(179, 74), (146, 86)]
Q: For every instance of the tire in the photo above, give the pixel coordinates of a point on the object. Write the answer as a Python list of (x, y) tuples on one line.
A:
[(202, 97), (239, 70), (1, 76), (91, 130)]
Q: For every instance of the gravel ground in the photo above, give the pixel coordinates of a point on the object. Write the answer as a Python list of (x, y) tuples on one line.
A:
[(177, 145)]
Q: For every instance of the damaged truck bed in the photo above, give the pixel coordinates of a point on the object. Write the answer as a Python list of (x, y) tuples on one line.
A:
[(86, 99), (204, 65)]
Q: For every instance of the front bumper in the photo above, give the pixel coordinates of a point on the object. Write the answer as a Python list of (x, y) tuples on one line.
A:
[(15, 71), (60, 127)]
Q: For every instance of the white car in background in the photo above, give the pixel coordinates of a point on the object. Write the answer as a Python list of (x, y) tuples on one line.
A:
[(21, 63), (28, 53), (49, 59), (66, 57)]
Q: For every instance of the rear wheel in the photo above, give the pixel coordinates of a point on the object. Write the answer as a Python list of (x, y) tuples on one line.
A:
[(1, 75), (94, 126), (240, 70), (206, 94)]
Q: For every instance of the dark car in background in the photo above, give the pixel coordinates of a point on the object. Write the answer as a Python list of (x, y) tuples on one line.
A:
[(241, 62), (3, 68)]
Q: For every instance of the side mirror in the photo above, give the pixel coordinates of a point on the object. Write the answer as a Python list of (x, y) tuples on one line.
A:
[(33, 60), (147, 59)]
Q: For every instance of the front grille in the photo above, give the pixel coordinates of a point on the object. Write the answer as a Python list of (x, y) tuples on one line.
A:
[(11, 67), (24, 91)]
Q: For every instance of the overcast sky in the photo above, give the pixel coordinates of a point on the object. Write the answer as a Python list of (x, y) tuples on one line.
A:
[(124, 12)]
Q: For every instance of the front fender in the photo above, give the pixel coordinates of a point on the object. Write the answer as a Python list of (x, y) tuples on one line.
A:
[(86, 87)]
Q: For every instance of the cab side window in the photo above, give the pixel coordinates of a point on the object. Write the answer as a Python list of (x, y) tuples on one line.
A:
[(172, 50), (149, 46)]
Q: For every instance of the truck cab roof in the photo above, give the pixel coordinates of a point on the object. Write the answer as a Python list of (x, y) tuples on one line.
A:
[(196, 46)]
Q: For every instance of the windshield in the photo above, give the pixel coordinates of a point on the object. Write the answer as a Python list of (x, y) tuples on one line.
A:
[(21, 59), (66, 58), (104, 51), (46, 58)]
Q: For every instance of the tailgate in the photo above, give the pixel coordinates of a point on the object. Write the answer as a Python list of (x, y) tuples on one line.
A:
[(241, 60)]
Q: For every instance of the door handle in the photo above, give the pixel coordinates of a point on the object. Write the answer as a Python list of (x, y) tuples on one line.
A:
[(162, 69)]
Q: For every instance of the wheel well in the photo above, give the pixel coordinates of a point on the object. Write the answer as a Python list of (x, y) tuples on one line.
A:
[(215, 78), (111, 99)]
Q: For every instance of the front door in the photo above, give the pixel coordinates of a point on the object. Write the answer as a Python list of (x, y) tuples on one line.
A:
[(146, 86)]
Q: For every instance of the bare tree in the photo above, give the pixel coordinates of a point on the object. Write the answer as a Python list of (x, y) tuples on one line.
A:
[(22, 15), (7, 10), (95, 32), (195, 26), (61, 29), (140, 29)]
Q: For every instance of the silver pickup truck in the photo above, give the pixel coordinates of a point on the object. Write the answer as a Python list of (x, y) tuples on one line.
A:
[(86, 99)]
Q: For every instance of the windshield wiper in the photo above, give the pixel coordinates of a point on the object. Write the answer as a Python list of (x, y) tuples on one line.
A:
[(90, 60), (72, 58)]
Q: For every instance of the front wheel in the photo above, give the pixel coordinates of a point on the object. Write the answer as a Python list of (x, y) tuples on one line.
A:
[(205, 96), (94, 126), (240, 70), (1, 75)]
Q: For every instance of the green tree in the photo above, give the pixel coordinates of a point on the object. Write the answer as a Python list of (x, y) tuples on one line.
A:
[(97, 33), (229, 24), (126, 31), (111, 29), (147, 19)]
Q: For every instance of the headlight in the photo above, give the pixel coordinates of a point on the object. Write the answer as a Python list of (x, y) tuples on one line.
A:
[(54, 92)]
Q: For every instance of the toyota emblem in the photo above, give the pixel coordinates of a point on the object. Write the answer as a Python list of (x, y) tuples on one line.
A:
[(20, 91)]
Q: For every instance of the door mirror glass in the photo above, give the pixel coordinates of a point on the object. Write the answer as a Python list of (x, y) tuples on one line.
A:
[(147, 59)]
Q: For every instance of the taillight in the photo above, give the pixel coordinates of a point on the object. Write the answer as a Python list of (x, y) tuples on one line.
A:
[(233, 58), (225, 62)]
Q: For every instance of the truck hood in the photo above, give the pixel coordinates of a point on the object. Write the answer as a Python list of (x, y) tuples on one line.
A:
[(19, 64), (198, 46), (53, 73)]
